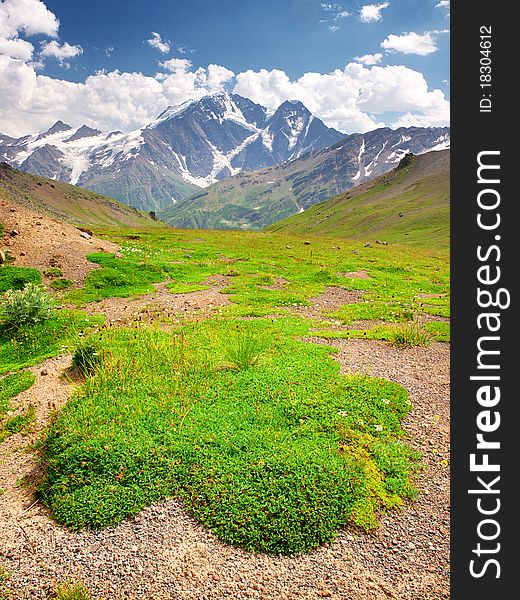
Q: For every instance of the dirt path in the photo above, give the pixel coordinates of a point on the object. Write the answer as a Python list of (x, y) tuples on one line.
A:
[(18, 465), (163, 553)]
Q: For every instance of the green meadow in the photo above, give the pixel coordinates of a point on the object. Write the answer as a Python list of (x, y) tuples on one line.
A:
[(254, 429)]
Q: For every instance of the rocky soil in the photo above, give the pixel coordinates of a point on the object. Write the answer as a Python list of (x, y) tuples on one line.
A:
[(163, 553)]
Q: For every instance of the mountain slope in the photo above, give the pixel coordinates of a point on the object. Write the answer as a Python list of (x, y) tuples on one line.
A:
[(186, 148), (255, 200), (410, 204), (66, 202)]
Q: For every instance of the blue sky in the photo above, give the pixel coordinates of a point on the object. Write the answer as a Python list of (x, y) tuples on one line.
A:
[(275, 43)]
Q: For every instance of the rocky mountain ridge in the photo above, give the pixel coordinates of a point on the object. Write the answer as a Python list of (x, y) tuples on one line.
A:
[(187, 147)]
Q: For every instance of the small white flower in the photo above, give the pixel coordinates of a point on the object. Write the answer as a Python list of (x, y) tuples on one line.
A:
[(378, 427), (342, 413), (385, 401)]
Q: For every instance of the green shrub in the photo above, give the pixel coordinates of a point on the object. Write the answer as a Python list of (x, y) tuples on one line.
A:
[(33, 343), (409, 334), (53, 272), (15, 278), (244, 350), (274, 458), (71, 590), (440, 330), (87, 356), (61, 284), (17, 423), (25, 307)]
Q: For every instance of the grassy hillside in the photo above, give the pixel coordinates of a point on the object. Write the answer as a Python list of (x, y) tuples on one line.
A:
[(260, 198), (410, 204), (254, 200), (67, 202)]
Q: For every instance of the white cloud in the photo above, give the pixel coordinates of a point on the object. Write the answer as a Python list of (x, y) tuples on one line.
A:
[(335, 12), (31, 17), (16, 48), (370, 13), (157, 42), (31, 102), (28, 16), (350, 99), (176, 65), (443, 4), (370, 59), (411, 43), (61, 52), (214, 77)]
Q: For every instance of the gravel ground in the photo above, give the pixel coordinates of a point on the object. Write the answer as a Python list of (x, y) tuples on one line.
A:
[(331, 299), (163, 553), (43, 242), (162, 305)]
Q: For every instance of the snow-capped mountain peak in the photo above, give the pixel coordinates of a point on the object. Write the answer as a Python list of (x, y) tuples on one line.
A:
[(188, 146)]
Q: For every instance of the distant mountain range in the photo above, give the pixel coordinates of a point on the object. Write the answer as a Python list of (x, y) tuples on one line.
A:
[(222, 161), (409, 204), (187, 147), (255, 200)]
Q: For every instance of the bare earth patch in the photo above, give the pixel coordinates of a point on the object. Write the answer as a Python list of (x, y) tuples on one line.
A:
[(278, 285), (50, 391), (361, 274), (331, 299), (42, 242), (162, 304)]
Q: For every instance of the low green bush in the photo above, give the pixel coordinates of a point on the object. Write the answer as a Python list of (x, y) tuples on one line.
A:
[(12, 385), (53, 272), (274, 458), (409, 334), (17, 423), (70, 590), (87, 356), (32, 343), (61, 283), (16, 278), (27, 306)]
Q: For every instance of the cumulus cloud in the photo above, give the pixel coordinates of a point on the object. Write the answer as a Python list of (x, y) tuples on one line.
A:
[(61, 52), (107, 100), (157, 42), (350, 99), (26, 16), (370, 13), (176, 65), (16, 48), (411, 43), (31, 17), (370, 59)]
